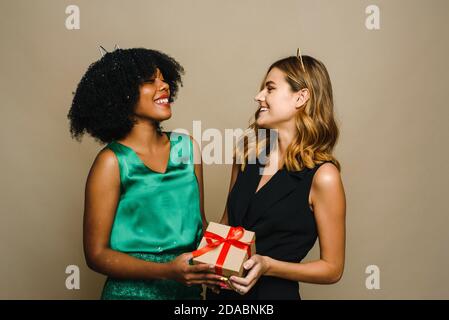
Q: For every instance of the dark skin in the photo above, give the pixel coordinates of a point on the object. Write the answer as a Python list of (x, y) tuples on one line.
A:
[(103, 192)]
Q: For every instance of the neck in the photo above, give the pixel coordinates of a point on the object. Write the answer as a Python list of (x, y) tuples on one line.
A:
[(143, 135), (285, 138)]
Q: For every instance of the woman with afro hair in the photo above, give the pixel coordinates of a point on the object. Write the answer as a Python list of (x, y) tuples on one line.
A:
[(144, 193)]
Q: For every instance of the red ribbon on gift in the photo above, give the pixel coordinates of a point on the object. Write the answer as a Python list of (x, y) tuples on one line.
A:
[(232, 239)]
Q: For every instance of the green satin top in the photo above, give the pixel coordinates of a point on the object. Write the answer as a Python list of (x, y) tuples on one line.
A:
[(157, 212)]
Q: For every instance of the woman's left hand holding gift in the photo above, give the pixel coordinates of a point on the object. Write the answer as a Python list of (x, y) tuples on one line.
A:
[(257, 266)]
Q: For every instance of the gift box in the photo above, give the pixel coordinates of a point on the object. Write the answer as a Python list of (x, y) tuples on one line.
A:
[(227, 248)]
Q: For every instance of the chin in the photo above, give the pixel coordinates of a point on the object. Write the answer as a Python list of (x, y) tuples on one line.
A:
[(166, 117), (161, 116), (156, 117), (263, 124)]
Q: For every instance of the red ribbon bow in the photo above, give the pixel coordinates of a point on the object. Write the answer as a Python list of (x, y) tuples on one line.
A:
[(232, 239)]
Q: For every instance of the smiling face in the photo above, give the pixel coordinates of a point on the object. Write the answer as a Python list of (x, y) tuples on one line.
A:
[(154, 99), (278, 104)]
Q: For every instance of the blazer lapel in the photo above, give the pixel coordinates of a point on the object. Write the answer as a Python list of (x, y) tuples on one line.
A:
[(278, 187), (243, 192)]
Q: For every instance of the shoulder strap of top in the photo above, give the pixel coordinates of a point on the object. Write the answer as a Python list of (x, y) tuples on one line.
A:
[(315, 169), (115, 147)]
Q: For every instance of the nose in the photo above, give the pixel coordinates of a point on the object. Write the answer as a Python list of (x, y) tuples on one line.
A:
[(259, 97), (162, 85)]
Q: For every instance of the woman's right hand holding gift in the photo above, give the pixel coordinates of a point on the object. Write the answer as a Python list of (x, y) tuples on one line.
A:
[(256, 266), (180, 270)]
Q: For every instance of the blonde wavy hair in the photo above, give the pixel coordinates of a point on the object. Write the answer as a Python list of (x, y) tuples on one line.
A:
[(317, 131)]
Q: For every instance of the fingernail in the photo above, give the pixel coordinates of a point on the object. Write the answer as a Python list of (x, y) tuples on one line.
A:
[(223, 285)]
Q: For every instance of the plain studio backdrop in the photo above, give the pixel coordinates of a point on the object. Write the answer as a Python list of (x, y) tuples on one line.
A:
[(390, 87)]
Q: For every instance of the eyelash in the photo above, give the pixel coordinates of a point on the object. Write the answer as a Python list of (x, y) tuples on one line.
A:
[(152, 81)]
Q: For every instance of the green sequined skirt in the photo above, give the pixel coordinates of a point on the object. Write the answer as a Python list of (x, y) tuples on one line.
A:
[(119, 289)]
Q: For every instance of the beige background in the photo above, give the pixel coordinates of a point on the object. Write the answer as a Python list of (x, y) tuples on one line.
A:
[(391, 103)]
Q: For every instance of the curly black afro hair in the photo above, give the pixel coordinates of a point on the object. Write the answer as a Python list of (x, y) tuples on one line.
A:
[(106, 96)]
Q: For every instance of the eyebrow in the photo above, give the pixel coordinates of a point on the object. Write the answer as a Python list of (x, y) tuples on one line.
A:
[(269, 82)]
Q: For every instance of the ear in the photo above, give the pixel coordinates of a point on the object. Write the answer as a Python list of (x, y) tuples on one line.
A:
[(302, 96)]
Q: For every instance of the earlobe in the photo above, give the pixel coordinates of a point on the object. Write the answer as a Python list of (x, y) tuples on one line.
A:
[(302, 105), (299, 105), (305, 99)]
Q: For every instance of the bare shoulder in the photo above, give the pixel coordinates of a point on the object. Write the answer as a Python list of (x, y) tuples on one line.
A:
[(327, 186), (106, 159), (326, 176), (105, 166)]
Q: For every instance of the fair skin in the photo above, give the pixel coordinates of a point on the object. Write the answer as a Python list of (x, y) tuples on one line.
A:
[(278, 105), (103, 192)]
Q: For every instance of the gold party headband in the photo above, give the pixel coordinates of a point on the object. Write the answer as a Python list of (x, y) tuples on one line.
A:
[(103, 51), (299, 56)]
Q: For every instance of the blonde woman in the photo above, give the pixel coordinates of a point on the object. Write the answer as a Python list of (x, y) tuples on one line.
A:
[(298, 195)]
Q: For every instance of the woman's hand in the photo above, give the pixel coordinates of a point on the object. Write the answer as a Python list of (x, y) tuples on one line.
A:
[(257, 266), (180, 270)]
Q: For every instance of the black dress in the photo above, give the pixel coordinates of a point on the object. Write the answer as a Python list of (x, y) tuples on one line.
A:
[(280, 215)]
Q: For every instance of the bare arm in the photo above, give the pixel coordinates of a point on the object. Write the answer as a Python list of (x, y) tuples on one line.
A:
[(101, 199), (234, 173), (329, 204)]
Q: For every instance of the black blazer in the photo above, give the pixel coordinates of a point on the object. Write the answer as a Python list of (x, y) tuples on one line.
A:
[(280, 215)]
